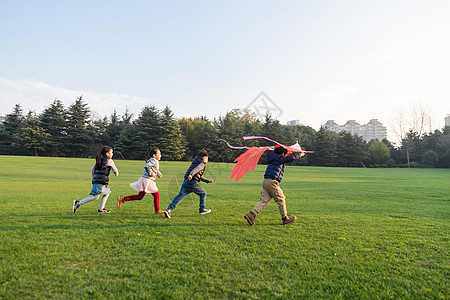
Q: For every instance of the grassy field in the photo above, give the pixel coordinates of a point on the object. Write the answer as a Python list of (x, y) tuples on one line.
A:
[(361, 234)]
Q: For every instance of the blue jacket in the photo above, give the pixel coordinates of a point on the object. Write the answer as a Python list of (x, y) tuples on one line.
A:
[(275, 169)]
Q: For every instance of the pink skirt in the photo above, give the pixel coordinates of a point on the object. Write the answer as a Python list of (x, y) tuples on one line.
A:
[(144, 184)]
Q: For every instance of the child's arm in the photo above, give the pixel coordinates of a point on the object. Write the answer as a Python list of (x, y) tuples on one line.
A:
[(286, 159), (111, 164), (206, 180), (152, 168), (196, 170)]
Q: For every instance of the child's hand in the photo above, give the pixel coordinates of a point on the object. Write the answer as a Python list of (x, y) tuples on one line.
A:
[(190, 177), (210, 181), (159, 175)]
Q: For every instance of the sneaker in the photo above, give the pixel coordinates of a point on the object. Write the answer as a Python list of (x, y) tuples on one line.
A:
[(205, 211), (289, 220), (159, 212), (250, 217), (167, 213), (75, 205), (104, 211), (119, 201)]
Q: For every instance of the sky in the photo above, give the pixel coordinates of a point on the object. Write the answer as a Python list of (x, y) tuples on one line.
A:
[(308, 60)]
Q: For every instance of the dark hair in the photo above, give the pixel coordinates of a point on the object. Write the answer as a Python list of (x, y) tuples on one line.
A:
[(150, 152), (202, 153), (98, 158), (280, 150)]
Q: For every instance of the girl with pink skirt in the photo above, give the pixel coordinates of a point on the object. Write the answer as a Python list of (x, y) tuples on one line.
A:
[(146, 184)]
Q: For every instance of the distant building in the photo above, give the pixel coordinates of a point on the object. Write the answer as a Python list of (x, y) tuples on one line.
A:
[(353, 127), (294, 123), (2, 118), (373, 130), (447, 120), (370, 131), (332, 126)]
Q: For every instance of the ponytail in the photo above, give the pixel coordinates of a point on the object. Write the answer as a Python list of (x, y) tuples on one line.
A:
[(98, 158), (150, 152)]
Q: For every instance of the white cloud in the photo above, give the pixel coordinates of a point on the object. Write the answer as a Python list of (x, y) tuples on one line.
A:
[(34, 95)]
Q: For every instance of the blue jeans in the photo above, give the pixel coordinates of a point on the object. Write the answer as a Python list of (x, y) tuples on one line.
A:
[(189, 186)]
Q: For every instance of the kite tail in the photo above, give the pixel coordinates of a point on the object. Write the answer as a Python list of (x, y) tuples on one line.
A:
[(259, 137), (232, 147)]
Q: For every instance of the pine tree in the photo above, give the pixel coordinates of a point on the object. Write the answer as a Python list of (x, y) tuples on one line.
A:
[(5, 141), (32, 136), (113, 129), (79, 131), (230, 128), (101, 133), (272, 129), (172, 143), (128, 144), (149, 128), (325, 152), (351, 149), (13, 124), (53, 120)]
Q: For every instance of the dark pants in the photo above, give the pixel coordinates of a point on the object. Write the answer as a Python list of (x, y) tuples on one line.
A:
[(190, 186)]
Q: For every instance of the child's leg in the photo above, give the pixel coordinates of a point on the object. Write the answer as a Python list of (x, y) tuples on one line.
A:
[(134, 197), (264, 198), (88, 199), (277, 194), (200, 191), (184, 191), (103, 201), (156, 200)]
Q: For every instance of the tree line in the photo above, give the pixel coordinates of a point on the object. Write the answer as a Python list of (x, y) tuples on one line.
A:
[(76, 132)]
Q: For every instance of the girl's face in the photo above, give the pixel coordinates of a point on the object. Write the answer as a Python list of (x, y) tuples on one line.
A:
[(157, 155), (110, 153)]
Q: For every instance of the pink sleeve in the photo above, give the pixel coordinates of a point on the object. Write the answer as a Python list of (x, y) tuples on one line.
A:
[(111, 164)]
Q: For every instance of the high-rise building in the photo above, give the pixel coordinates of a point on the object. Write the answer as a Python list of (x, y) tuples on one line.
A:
[(332, 126), (370, 131), (447, 120), (294, 123), (353, 127), (373, 130)]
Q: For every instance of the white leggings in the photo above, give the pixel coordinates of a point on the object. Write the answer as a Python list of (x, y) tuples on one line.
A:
[(95, 197)]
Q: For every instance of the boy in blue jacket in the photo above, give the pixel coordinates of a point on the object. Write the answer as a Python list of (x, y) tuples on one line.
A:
[(193, 176), (271, 185)]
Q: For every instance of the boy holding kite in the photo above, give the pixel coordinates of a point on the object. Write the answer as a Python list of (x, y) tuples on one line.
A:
[(274, 174), (271, 185)]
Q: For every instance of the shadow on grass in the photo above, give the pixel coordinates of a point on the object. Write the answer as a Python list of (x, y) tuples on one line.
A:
[(79, 221)]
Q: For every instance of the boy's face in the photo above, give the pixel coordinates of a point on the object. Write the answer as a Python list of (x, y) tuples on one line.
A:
[(205, 159)]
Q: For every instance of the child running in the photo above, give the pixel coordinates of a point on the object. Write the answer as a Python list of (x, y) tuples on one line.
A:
[(146, 184), (271, 185), (100, 179), (193, 175)]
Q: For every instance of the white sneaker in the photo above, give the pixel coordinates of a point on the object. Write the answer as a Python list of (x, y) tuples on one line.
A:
[(167, 213), (75, 205), (205, 211)]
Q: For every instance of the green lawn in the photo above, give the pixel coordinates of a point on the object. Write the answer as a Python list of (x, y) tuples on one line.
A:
[(361, 234)]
